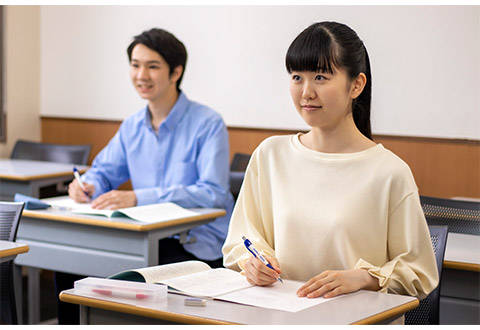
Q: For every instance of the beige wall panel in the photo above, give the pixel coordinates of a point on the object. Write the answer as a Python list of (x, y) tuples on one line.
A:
[(22, 75)]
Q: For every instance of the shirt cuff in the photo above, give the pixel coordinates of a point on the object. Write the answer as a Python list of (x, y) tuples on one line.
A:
[(99, 189), (147, 196), (382, 274)]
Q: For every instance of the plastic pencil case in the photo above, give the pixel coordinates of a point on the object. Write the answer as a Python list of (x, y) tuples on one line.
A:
[(117, 289)]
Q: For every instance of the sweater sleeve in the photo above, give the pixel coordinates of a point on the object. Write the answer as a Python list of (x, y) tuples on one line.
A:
[(412, 267), (248, 219)]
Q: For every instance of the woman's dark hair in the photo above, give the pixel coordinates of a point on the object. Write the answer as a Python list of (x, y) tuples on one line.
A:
[(164, 43), (327, 45)]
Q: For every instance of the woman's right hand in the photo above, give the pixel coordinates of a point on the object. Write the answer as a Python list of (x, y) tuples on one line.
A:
[(259, 274), (77, 194)]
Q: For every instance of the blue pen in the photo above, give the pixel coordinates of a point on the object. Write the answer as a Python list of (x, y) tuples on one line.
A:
[(76, 174), (256, 254)]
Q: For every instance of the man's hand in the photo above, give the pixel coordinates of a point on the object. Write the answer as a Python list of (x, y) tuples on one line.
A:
[(332, 283), (77, 194), (115, 199)]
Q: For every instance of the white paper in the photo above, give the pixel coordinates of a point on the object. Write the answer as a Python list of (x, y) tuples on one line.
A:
[(157, 212), (151, 213), (210, 283), (163, 272), (69, 204), (281, 296)]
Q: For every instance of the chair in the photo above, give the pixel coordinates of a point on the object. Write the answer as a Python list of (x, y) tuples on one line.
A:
[(10, 214), (239, 162), (237, 172), (427, 311), (460, 216), (59, 153)]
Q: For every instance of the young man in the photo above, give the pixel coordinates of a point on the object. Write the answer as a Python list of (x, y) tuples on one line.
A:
[(173, 150)]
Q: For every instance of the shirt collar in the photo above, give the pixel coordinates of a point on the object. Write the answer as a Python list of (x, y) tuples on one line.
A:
[(175, 115)]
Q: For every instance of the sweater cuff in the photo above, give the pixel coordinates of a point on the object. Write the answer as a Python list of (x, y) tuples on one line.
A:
[(147, 196), (382, 274)]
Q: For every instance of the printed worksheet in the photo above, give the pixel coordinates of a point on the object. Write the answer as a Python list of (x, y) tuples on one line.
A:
[(281, 296)]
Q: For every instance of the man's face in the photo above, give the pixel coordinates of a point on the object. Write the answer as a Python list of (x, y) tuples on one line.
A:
[(150, 74)]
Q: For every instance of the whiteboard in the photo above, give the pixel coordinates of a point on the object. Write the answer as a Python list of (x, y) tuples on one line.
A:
[(425, 62)]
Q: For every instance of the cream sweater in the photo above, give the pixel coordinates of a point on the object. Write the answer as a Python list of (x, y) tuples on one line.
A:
[(318, 211)]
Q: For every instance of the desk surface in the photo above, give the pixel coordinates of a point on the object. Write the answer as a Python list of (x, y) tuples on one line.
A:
[(362, 307), (462, 252), (25, 170), (8, 249), (119, 222)]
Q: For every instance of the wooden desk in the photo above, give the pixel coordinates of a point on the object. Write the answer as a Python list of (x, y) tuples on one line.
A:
[(28, 176), (91, 245), (362, 307), (9, 250), (469, 199), (460, 283)]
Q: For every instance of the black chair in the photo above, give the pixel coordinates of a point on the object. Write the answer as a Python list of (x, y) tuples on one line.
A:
[(239, 162), (58, 153), (10, 214), (237, 172), (460, 216), (427, 311)]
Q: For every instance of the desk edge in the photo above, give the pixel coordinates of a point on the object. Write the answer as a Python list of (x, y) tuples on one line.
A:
[(119, 225), (396, 311), (38, 176), (14, 251), (137, 310), (461, 265)]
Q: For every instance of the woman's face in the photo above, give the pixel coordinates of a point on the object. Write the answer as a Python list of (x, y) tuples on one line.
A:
[(322, 99)]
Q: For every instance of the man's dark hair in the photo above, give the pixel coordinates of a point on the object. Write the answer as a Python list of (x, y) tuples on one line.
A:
[(166, 44)]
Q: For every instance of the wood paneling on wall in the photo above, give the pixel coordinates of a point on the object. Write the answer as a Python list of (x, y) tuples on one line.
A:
[(442, 167)]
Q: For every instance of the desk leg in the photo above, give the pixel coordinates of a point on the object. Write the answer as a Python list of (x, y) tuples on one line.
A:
[(18, 290), (84, 315), (151, 249), (33, 295)]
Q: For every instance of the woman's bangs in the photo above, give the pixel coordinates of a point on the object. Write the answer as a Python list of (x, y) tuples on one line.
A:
[(312, 51)]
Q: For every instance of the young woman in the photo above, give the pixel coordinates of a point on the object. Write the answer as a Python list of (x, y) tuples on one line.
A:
[(331, 207)]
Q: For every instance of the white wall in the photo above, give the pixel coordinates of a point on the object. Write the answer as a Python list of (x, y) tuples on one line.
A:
[(425, 62), (22, 75)]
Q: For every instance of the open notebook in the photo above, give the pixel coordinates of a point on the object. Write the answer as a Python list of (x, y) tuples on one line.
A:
[(145, 213), (196, 278)]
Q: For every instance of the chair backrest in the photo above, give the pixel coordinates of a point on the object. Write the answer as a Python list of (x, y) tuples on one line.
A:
[(10, 214), (59, 153), (236, 180), (427, 311), (237, 172), (460, 216), (239, 162)]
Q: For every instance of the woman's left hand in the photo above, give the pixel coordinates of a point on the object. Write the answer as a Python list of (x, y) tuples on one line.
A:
[(332, 283)]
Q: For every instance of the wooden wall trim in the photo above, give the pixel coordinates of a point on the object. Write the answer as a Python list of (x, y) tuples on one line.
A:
[(275, 131), (442, 167)]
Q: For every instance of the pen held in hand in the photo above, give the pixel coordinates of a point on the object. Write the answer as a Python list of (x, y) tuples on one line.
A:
[(258, 255), (77, 176)]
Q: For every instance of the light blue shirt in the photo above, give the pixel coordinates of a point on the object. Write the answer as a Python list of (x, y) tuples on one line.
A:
[(185, 162)]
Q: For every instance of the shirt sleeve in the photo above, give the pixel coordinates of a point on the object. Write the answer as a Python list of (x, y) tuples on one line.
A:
[(412, 267), (249, 219), (109, 168), (212, 187)]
